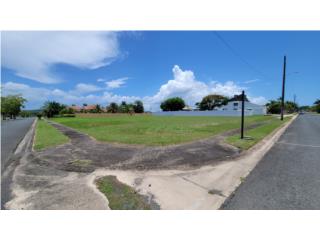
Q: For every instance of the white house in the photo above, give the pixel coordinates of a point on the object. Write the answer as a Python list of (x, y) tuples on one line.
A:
[(250, 108)]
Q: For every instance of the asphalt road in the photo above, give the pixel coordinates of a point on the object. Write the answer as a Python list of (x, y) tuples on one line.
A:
[(12, 132), (288, 177)]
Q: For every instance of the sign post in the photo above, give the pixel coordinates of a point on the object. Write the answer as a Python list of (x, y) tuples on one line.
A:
[(242, 114)]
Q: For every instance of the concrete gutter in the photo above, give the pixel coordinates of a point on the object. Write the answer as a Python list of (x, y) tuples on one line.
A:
[(204, 188)]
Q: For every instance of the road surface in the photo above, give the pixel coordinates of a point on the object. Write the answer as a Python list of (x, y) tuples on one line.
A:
[(12, 132), (288, 176)]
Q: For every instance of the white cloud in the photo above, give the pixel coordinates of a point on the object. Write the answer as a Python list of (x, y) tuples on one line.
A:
[(32, 54), (258, 100), (101, 80), (116, 83), (86, 88), (184, 84), (251, 81)]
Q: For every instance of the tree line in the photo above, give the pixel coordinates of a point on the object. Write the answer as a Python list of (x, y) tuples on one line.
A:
[(213, 101), (208, 102), (53, 108)]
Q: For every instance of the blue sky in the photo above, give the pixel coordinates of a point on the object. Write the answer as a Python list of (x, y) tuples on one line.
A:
[(101, 67)]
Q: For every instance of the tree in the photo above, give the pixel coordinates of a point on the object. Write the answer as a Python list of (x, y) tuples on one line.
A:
[(52, 108), (173, 104), (113, 108), (274, 106), (239, 98), (11, 105), (316, 106), (291, 107), (123, 108), (66, 110), (211, 101), (138, 107)]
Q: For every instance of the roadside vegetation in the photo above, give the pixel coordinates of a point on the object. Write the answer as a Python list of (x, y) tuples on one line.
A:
[(254, 135), (11, 106), (47, 136), (155, 130), (121, 196)]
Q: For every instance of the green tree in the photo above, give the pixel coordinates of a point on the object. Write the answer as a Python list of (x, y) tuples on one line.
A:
[(113, 108), (138, 107), (173, 104), (274, 106), (211, 101), (52, 108), (316, 106), (11, 105), (239, 98), (123, 108), (291, 107)]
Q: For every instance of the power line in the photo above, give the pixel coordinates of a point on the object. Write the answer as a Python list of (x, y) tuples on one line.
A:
[(235, 53)]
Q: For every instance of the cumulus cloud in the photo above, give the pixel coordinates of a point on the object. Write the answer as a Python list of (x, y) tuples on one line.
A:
[(184, 84), (116, 83), (32, 54)]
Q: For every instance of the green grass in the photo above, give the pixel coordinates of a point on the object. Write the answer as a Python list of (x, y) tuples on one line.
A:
[(255, 135), (155, 130), (121, 196), (47, 136)]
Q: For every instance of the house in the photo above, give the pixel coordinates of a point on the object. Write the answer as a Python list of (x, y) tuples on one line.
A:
[(250, 108), (89, 107), (86, 108), (75, 108)]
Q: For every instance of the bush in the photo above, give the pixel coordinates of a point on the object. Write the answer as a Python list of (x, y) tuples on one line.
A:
[(173, 104), (66, 111), (68, 115), (39, 115)]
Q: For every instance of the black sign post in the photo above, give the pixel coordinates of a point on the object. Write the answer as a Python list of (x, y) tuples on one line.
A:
[(242, 114)]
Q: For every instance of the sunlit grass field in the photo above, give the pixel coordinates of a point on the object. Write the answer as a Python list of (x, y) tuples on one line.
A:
[(155, 130), (47, 136)]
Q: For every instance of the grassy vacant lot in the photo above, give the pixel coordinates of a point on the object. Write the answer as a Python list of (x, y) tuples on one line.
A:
[(48, 136), (155, 130), (121, 196), (255, 135)]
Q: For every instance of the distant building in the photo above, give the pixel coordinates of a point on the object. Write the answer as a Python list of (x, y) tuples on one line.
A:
[(86, 108), (251, 108), (76, 108)]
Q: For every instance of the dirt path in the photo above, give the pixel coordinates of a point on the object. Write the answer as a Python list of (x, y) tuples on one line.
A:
[(84, 154)]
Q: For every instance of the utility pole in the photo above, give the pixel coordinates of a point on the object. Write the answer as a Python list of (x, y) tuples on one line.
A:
[(242, 114), (283, 85)]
